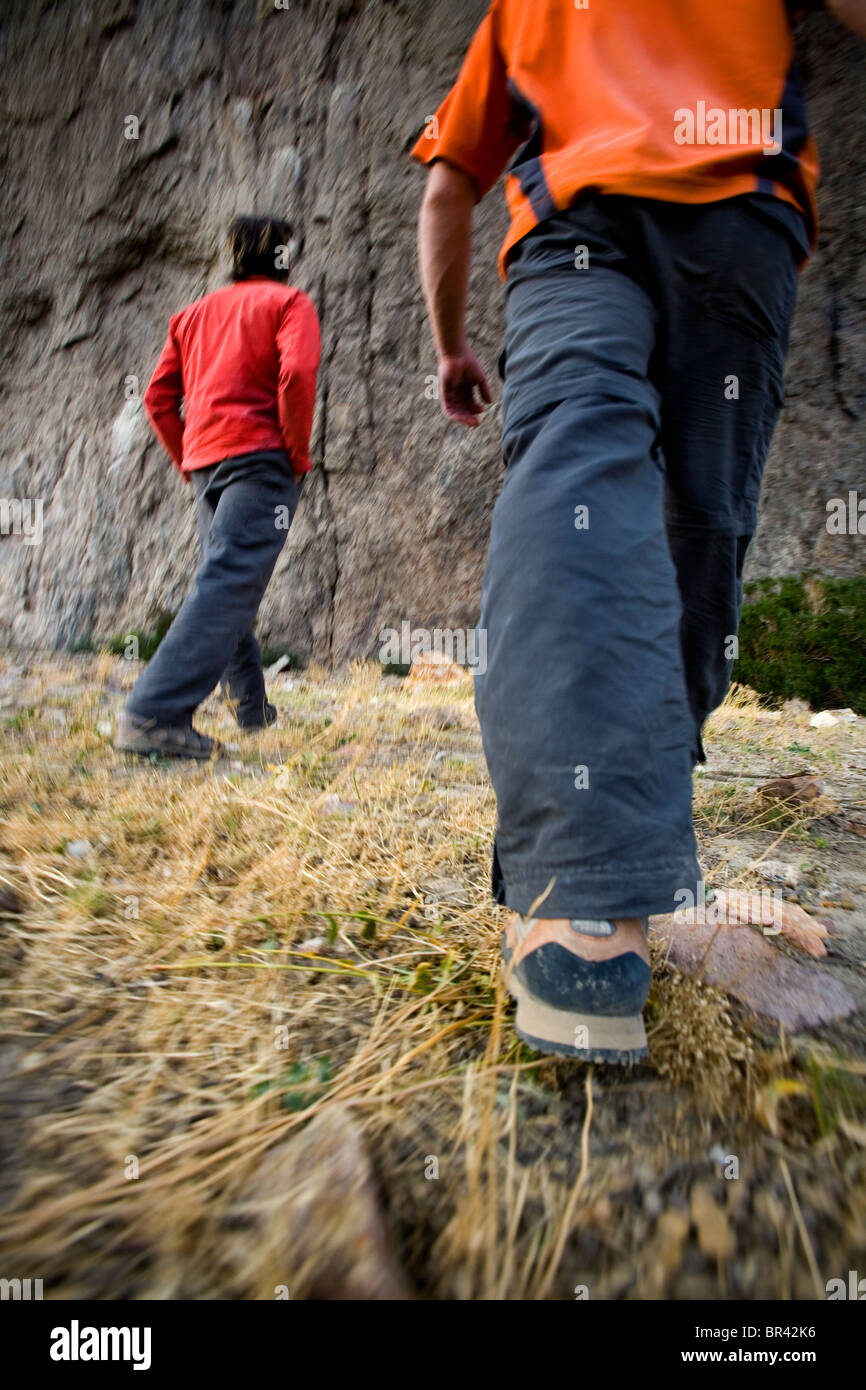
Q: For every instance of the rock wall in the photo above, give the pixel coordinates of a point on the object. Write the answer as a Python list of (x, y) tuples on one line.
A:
[(308, 110)]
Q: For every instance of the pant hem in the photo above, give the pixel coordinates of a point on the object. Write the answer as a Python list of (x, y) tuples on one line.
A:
[(624, 894)]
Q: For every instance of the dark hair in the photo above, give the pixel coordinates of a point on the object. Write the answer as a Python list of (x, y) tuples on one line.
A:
[(259, 246)]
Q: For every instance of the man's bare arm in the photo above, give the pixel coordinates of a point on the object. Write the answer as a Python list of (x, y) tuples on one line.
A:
[(445, 250), (851, 13)]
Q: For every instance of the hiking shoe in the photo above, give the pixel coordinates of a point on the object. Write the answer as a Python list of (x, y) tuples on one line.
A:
[(261, 719), (145, 737), (577, 994)]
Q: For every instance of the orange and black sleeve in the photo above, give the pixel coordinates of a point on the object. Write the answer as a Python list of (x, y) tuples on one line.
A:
[(477, 127)]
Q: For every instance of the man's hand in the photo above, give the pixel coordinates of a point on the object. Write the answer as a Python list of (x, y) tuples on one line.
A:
[(459, 376), (445, 236)]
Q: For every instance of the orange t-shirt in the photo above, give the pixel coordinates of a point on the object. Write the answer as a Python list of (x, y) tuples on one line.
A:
[(685, 100)]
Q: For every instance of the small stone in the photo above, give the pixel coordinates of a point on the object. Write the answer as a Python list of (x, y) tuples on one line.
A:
[(843, 900), (10, 903), (444, 890), (78, 849), (653, 1204), (823, 720), (715, 1237), (435, 668), (279, 665), (601, 1211), (317, 1209), (794, 709), (775, 871), (332, 805), (314, 944), (795, 789), (437, 717)]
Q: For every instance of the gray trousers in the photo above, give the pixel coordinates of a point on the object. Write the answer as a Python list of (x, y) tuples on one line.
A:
[(244, 507), (645, 348)]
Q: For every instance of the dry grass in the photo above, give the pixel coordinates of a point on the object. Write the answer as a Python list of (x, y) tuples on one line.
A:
[(307, 927)]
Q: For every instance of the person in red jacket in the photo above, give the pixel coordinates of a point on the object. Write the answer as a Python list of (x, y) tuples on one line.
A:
[(232, 401)]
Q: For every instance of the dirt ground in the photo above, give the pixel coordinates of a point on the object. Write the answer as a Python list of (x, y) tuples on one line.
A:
[(254, 1041)]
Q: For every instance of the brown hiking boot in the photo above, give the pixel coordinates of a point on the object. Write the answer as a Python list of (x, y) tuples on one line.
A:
[(580, 985), (147, 738)]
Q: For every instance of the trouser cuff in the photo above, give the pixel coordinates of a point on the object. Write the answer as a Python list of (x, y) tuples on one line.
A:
[(618, 891)]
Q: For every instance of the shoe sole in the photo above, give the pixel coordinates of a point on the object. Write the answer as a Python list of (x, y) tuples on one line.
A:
[(620, 1041), (166, 752)]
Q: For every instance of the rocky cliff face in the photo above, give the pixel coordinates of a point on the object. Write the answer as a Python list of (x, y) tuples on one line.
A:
[(308, 110)]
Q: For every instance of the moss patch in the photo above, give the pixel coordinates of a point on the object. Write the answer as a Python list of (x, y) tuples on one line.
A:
[(804, 637)]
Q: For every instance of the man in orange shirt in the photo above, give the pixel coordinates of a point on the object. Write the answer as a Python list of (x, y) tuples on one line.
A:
[(243, 361), (661, 187)]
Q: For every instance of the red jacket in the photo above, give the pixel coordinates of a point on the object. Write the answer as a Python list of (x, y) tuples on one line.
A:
[(243, 360)]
